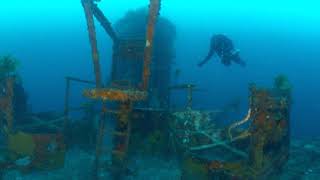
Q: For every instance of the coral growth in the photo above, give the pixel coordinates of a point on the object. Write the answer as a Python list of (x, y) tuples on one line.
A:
[(20, 145), (282, 83), (8, 66), (188, 124)]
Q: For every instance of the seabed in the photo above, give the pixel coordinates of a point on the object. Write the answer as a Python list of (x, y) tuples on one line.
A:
[(303, 164)]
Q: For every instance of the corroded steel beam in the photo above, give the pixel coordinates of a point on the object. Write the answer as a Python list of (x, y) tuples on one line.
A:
[(88, 9), (88, 6), (154, 9), (105, 23)]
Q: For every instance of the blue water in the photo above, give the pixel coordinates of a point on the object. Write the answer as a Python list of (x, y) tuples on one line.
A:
[(50, 40)]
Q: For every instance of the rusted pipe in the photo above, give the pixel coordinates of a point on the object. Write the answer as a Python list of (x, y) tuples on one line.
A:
[(88, 6), (153, 15), (105, 23), (99, 143)]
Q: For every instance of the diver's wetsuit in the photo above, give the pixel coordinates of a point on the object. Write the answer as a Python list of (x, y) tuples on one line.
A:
[(223, 46)]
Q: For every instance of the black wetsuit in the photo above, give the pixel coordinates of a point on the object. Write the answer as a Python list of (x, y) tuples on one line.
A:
[(224, 48)]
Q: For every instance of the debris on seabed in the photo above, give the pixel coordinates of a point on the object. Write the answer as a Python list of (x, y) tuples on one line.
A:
[(304, 163)]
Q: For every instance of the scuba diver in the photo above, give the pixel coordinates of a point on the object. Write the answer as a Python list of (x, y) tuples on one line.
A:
[(223, 46)]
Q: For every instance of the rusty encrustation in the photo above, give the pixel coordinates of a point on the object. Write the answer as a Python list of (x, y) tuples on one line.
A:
[(154, 9), (111, 94), (121, 139)]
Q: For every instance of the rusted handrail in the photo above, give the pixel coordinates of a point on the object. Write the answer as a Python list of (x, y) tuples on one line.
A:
[(67, 97)]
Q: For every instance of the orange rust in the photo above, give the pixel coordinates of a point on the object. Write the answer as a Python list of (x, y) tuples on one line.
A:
[(87, 6), (283, 124), (271, 125), (260, 119), (215, 165), (115, 95), (153, 14), (46, 146), (3, 102)]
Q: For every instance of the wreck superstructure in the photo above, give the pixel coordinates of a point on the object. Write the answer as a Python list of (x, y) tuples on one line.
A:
[(27, 138), (134, 112)]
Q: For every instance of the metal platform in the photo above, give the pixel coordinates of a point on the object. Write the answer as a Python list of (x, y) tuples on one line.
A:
[(111, 94)]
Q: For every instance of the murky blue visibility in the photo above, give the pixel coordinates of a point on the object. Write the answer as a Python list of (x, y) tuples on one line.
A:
[(159, 89)]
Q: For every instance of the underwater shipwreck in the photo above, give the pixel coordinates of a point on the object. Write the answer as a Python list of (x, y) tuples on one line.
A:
[(130, 116)]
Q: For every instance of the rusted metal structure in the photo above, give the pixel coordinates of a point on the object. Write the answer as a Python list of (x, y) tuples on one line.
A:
[(6, 102), (35, 150), (130, 51), (256, 152), (88, 6), (153, 14), (67, 107), (28, 151), (209, 151), (124, 96), (190, 88), (252, 148)]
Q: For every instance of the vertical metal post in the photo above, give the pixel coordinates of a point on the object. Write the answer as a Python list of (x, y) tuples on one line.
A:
[(9, 99), (189, 96), (99, 143), (66, 103), (88, 7), (153, 15)]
